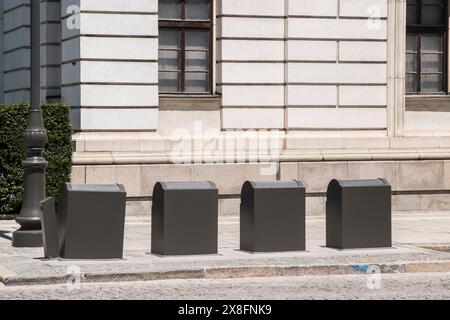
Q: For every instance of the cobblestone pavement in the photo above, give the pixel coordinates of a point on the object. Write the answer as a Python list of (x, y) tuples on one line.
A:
[(392, 286)]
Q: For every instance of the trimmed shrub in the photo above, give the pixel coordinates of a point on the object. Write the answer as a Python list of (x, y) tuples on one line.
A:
[(58, 152)]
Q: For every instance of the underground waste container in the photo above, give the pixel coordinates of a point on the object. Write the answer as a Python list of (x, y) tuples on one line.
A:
[(89, 222), (272, 216), (184, 218), (358, 214)]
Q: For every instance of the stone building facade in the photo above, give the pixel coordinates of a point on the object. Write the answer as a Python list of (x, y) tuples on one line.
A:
[(229, 90)]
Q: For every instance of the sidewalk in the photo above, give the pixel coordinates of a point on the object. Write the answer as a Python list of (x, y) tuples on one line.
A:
[(415, 235)]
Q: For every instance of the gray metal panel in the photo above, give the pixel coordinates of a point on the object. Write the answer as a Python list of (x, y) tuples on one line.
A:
[(272, 216), (359, 214), (92, 221), (184, 218)]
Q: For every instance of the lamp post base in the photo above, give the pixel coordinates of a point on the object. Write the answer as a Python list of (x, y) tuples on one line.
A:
[(27, 239)]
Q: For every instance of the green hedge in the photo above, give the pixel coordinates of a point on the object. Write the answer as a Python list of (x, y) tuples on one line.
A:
[(58, 152)]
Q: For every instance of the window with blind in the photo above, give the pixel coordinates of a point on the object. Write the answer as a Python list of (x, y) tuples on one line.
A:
[(426, 47), (185, 53)]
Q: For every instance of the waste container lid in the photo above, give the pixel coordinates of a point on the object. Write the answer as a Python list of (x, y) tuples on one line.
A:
[(276, 184), (95, 187), (362, 183), (188, 185)]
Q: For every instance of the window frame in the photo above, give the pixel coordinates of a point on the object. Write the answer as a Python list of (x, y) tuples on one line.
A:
[(419, 29), (181, 26)]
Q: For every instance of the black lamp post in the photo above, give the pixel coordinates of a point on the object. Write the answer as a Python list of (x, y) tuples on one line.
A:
[(30, 234)]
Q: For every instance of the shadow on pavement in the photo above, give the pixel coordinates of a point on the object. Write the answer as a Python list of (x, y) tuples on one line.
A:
[(4, 235)]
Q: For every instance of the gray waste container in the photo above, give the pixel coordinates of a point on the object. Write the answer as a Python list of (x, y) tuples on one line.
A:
[(272, 216), (358, 214), (90, 222), (184, 218)]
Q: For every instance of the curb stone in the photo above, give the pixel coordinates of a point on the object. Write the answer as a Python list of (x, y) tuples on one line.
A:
[(5, 274), (237, 272)]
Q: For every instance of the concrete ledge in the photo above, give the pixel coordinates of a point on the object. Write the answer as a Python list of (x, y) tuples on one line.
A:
[(124, 158)]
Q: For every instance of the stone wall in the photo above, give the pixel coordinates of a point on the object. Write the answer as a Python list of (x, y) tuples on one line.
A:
[(300, 64), (251, 55), (294, 65), (109, 64), (319, 69), (16, 51)]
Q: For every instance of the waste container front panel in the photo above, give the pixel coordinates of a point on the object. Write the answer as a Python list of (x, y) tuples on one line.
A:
[(279, 220), (95, 222), (273, 217), (186, 222), (367, 218), (359, 214)]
